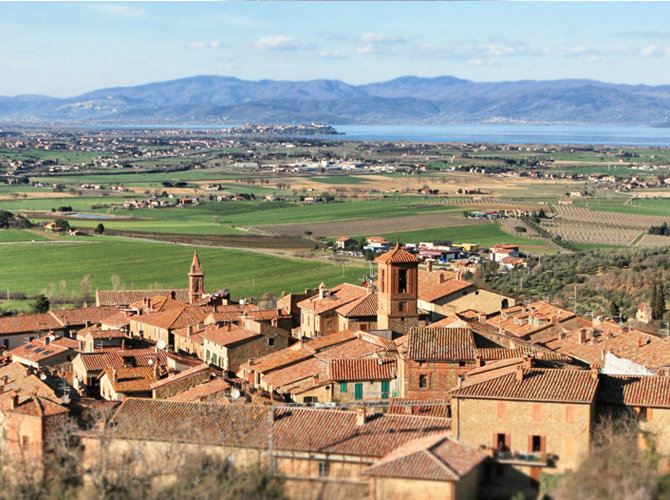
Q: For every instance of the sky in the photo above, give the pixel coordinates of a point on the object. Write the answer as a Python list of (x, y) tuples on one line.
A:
[(65, 49)]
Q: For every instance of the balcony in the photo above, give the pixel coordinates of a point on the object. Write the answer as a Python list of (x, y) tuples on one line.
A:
[(512, 457)]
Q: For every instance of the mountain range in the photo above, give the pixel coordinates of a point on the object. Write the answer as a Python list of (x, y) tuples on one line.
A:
[(212, 100)]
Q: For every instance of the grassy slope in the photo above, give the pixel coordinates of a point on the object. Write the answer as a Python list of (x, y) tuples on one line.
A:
[(7, 235), (32, 268)]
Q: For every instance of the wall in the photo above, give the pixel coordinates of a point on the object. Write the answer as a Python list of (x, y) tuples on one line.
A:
[(441, 377), (474, 298), (371, 390), (566, 431), (391, 488), (231, 357), (180, 385)]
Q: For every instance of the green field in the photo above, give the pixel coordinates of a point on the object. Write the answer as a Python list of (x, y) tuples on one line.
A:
[(33, 268), (483, 234), (9, 235), (340, 179), (640, 206)]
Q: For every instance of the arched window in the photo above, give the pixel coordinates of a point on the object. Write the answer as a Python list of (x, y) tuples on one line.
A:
[(504, 304)]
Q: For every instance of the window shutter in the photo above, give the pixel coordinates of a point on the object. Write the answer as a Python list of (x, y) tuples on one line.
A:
[(530, 444), (543, 444), (508, 441)]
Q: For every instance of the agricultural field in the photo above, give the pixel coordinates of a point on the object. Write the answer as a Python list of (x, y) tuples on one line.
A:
[(145, 264), (613, 219), (18, 235), (593, 233), (653, 240)]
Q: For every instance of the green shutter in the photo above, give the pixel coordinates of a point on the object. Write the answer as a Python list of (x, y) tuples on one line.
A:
[(385, 389), (343, 387), (358, 391)]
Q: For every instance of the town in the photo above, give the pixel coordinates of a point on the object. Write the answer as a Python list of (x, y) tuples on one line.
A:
[(417, 382)]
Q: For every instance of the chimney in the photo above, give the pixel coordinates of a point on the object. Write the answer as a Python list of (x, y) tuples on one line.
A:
[(519, 373), (189, 330), (582, 336), (47, 340), (115, 376), (123, 344), (595, 370), (173, 294), (561, 335), (478, 360), (459, 381), (429, 265), (443, 278), (323, 291), (528, 362), (14, 402), (361, 415), (230, 327), (482, 317), (156, 370), (661, 372), (87, 324)]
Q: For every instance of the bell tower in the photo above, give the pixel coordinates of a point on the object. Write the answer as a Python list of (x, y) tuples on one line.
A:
[(398, 278), (196, 279)]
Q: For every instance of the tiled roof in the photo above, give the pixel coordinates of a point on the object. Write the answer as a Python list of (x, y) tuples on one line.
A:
[(331, 340), (362, 369), (19, 380), (28, 323), (158, 303), (118, 319), (634, 391), (228, 335), (38, 350), (356, 348), (431, 289), (134, 379), (493, 353), (279, 359), (441, 344), (75, 317), (294, 429), (180, 376), (37, 406), (98, 333), (576, 386), (126, 297), (180, 317), (337, 297), (364, 306), (397, 256), (433, 458), (647, 350), (99, 361), (203, 391), (423, 407), (291, 374)]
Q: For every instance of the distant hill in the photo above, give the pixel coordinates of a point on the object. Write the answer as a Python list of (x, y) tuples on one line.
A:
[(410, 99)]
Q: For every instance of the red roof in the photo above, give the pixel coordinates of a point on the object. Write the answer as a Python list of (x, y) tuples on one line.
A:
[(362, 369), (397, 256), (441, 344), (634, 391)]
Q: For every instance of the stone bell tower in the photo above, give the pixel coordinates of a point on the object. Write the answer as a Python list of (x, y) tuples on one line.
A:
[(196, 280), (398, 278)]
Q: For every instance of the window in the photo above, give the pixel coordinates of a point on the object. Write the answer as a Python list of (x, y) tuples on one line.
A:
[(535, 444), (569, 413), (271, 341), (423, 381), (504, 304), (310, 399), (501, 442), (25, 441), (401, 306), (358, 391), (323, 469), (383, 280), (343, 387), (5, 343), (402, 280)]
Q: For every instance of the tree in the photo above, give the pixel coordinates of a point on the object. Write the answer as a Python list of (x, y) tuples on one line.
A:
[(41, 305), (100, 228), (658, 301)]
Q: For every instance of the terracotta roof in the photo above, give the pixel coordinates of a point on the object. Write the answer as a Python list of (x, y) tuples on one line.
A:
[(18, 379), (294, 429), (291, 374), (364, 306), (118, 319), (575, 386), (397, 256), (179, 317), (126, 297), (628, 390), (279, 359), (99, 361), (356, 348), (337, 297), (362, 369), (38, 350), (28, 323), (441, 344), (431, 288), (203, 391), (133, 379), (228, 335), (76, 317), (158, 303), (321, 343), (433, 458), (37, 406), (98, 333), (180, 376)]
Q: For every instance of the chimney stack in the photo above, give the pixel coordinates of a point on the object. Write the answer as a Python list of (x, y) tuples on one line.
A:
[(519, 373), (115, 376), (361, 415), (582, 336), (429, 265), (595, 370), (14, 402)]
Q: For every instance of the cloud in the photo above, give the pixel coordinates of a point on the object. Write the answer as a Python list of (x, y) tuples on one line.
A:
[(278, 42), (204, 45), (380, 42), (117, 10), (655, 51)]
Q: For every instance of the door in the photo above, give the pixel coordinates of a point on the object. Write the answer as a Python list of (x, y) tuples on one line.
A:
[(385, 389), (358, 391)]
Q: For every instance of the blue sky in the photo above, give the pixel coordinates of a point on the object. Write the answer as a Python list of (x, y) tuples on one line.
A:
[(64, 49)]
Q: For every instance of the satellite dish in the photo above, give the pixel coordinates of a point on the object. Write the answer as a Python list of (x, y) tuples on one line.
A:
[(161, 344), (241, 302), (235, 394), (151, 362), (52, 337), (43, 377)]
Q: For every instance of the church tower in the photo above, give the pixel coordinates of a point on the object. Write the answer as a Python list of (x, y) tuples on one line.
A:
[(196, 280), (398, 278)]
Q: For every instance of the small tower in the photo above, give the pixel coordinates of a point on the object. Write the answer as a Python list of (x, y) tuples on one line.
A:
[(398, 274), (196, 279)]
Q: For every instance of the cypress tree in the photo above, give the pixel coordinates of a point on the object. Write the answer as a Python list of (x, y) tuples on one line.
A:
[(653, 299), (658, 307)]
